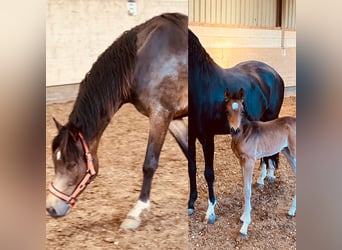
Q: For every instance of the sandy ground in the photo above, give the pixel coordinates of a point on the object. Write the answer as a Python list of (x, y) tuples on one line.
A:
[(94, 222)]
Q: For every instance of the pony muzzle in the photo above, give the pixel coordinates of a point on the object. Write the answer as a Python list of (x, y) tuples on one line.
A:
[(234, 131)]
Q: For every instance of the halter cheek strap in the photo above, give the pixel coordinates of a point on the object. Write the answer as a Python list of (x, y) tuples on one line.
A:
[(71, 199)]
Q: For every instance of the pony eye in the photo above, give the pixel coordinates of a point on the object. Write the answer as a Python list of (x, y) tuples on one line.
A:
[(71, 165)]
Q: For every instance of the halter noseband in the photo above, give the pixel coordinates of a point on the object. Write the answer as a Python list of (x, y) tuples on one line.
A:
[(71, 199)]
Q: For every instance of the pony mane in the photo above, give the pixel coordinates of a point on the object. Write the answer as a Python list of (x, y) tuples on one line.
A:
[(65, 141), (198, 56), (107, 85)]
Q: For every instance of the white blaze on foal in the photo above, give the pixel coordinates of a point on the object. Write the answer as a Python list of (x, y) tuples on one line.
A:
[(235, 106)]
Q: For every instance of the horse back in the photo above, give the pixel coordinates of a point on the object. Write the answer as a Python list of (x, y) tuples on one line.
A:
[(269, 83), (161, 72)]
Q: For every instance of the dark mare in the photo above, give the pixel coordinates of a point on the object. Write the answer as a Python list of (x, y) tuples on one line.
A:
[(264, 91), (146, 66)]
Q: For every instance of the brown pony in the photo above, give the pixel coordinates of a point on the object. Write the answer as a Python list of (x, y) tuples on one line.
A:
[(146, 66), (252, 140)]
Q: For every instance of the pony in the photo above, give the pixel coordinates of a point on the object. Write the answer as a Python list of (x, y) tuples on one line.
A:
[(146, 66), (252, 140), (264, 89)]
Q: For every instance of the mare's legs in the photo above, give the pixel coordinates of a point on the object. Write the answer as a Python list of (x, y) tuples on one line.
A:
[(159, 123), (208, 150), (192, 173), (291, 158), (247, 171)]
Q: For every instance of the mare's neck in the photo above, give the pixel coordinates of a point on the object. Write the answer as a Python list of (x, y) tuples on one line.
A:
[(91, 118)]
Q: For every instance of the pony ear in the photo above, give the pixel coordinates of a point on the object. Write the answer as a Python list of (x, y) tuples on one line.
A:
[(241, 94), (58, 125), (226, 95)]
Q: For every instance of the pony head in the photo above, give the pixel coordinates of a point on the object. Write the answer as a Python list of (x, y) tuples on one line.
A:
[(234, 110), (74, 167)]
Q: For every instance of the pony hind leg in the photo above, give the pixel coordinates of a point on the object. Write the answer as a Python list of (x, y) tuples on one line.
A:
[(291, 158), (159, 124), (262, 177), (268, 166), (179, 131), (272, 163)]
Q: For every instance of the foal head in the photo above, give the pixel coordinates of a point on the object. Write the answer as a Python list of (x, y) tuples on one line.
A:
[(234, 110), (74, 168)]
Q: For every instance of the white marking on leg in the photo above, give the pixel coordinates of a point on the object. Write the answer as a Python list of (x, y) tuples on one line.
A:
[(246, 216), (210, 211), (138, 208), (261, 179), (133, 217), (292, 210), (292, 161)]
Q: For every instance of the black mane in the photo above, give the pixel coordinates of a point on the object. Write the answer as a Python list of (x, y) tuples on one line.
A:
[(106, 86), (198, 56)]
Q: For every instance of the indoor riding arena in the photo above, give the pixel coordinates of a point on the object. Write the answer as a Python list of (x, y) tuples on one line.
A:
[(231, 32)]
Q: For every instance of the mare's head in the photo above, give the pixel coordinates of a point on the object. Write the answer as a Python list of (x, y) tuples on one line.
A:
[(74, 168), (234, 110)]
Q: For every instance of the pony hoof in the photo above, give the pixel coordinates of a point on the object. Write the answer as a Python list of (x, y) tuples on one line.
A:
[(191, 211), (261, 186), (271, 179), (211, 219), (243, 236), (289, 216), (130, 223)]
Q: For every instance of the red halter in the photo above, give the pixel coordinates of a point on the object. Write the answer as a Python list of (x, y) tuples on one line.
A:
[(71, 199)]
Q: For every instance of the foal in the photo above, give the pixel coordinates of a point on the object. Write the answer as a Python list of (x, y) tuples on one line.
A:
[(252, 140)]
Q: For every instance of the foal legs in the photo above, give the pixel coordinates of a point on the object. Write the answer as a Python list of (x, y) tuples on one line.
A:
[(159, 123), (291, 158), (261, 179), (270, 175), (247, 171)]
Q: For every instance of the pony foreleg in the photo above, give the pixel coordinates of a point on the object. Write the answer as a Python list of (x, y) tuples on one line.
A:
[(247, 170), (159, 122), (132, 220), (192, 174), (208, 150)]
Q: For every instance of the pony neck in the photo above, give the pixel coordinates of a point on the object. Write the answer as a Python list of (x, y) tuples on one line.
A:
[(105, 88), (244, 122)]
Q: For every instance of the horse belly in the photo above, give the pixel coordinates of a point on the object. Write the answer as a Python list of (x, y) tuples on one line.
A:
[(270, 146)]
